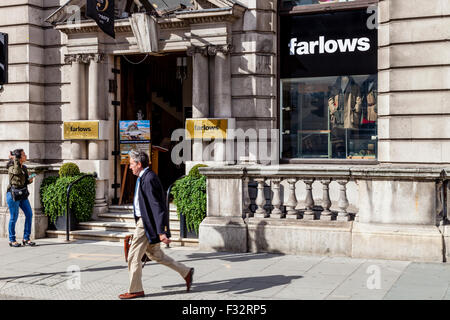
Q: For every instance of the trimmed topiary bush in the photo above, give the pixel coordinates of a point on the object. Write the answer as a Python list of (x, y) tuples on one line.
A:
[(69, 169), (194, 171), (190, 198)]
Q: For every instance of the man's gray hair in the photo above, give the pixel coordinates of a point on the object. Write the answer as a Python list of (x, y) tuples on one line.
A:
[(140, 156)]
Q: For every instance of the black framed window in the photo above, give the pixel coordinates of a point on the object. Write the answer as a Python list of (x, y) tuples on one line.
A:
[(293, 3), (328, 85)]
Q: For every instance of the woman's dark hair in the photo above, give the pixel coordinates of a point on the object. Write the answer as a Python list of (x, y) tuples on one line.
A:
[(17, 153)]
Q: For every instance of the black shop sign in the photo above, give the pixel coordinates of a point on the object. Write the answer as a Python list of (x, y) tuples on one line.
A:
[(328, 44)]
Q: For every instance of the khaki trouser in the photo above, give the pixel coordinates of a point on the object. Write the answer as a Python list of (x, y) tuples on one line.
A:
[(139, 246)]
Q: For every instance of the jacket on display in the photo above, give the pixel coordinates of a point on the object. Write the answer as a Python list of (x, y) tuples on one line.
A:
[(369, 90), (344, 104)]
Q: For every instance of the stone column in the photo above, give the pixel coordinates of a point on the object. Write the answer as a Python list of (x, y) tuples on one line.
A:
[(222, 91), (200, 84), (96, 107), (200, 93), (78, 106), (97, 148), (222, 82)]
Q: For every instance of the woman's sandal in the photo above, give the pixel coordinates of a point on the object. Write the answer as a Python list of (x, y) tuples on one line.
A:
[(15, 244), (28, 243)]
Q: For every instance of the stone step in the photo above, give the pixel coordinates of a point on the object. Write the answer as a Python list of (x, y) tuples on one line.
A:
[(129, 208), (114, 236), (116, 216), (127, 217), (117, 226)]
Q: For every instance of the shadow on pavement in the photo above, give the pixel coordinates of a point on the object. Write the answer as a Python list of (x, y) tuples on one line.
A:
[(235, 286), (232, 257), (37, 274)]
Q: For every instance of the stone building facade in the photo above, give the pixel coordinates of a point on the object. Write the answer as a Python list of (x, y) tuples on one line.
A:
[(392, 205)]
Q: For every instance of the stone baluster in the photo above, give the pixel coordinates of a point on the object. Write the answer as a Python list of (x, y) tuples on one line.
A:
[(260, 199), (276, 200), (309, 201), (343, 202), (247, 213), (326, 202), (292, 201)]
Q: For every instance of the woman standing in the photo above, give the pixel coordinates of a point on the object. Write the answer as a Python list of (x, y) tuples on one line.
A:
[(17, 197)]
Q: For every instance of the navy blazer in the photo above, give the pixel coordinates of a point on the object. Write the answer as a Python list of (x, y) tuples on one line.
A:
[(152, 204)]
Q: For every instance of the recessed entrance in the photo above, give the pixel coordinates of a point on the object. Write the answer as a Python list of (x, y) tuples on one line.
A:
[(159, 89)]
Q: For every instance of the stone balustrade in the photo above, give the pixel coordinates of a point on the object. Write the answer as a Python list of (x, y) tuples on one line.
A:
[(387, 212), (314, 209)]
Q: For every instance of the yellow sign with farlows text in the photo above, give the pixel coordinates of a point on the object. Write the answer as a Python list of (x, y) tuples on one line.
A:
[(206, 128), (81, 130)]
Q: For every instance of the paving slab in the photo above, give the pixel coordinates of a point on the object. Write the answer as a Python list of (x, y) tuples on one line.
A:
[(42, 273), (302, 293)]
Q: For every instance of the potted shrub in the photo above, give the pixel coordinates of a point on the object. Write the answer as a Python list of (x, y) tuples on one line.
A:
[(54, 197), (190, 198)]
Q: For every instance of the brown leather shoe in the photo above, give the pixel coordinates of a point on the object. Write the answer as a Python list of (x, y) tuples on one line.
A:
[(189, 279), (132, 295)]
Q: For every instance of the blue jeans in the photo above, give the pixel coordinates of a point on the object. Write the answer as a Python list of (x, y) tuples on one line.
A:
[(14, 215)]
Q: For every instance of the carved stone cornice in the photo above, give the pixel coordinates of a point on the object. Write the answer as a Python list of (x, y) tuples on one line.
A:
[(91, 27), (210, 50), (84, 58), (172, 23), (208, 19)]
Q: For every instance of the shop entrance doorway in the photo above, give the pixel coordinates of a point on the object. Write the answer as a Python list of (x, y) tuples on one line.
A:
[(159, 89)]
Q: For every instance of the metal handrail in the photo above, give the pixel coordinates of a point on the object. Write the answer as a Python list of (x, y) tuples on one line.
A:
[(167, 199), (69, 188), (170, 189)]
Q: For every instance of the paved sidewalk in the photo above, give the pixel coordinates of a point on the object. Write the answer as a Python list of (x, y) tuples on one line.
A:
[(42, 273)]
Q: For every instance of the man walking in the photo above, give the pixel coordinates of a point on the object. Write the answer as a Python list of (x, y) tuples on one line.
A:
[(152, 227)]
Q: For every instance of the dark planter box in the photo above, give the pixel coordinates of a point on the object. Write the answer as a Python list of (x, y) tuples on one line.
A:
[(60, 223), (184, 233)]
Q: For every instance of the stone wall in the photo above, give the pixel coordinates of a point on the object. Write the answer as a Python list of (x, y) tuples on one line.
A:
[(414, 81), (254, 67), (32, 102)]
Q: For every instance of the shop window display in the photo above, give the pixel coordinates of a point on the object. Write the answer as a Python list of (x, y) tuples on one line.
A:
[(328, 86), (330, 117), (308, 2)]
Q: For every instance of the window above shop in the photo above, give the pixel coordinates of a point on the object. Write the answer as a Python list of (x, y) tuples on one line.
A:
[(294, 3), (328, 86), (299, 6)]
